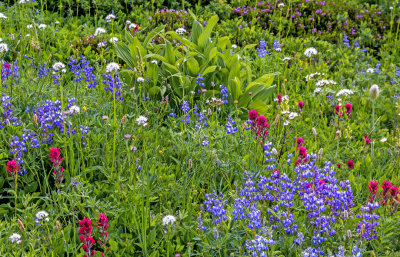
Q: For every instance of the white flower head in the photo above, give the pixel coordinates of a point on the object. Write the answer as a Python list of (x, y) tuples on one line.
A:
[(112, 66), (287, 122), (317, 90), (286, 59), (113, 40), (58, 66), (110, 17), (234, 46), (56, 22), (15, 238), (74, 109), (293, 115), (133, 26), (280, 5), (2, 16), (140, 79), (180, 31), (154, 62), (29, 26), (374, 92), (42, 26), (274, 151), (23, 1), (42, 216), (3, 48), (314, 131), (142, 121), (370, 70), (384, 139), (128, 22), (101, 44), (310, 52), (345, 92), (168, 220), (99, 31)]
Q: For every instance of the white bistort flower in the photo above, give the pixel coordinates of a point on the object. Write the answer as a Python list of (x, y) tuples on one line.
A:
[(112, 66), (23, 1), (29, 26), (180, 31), (110, 17), (3, 48), (99, 31), (140, 79), (370, 70), (15, 238), (113, 40), (58, 66), (310, 52), (42, 26), (74, 109), (293, 115), (168, 220), (280, 5), (142, 121), (345, 92), (234, 46), (42, 216), (2, 16)]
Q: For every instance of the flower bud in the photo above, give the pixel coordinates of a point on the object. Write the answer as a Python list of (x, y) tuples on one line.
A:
[(374, 92)]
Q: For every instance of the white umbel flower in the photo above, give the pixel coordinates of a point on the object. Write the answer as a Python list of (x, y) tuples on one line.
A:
[(110, 17), (58, 66), (99, 31), (29, 26), (42, 216), (15, 238), (374, 92), (23, 1), (310, 52), (113, 40), (168, 220), (370, 70), (42, 26), (180, 31), (345, 92), (142, 121), (280, 5), (128, 22), (74, 109), (154, 62), (140, 79), (2, 16), (112, 66), (3, 48), (234, 46), (293, 115), (384, 139)]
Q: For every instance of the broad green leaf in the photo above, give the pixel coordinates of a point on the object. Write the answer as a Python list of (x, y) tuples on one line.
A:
[(205, 35)]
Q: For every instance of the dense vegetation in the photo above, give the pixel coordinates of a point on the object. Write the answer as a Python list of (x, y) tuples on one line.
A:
[(199, 128)]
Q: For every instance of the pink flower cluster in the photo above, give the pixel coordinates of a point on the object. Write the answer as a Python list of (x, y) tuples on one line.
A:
[(12, 167), (302, 158), (56, 159), (86, 237), (259, 124), (389, 197)]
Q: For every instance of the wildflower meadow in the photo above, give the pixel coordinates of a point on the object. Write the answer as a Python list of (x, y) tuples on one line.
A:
[(207, 128)]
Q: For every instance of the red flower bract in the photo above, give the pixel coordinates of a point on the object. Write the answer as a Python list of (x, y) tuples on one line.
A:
[(302, 152), (386, 186), (54, 154), (279, 97), (253, 115), (350, 164), (300, 142), (394, 191), (373, 186), (12, 167), (348, 109), (301, 105), (367, 140), (337, 109)]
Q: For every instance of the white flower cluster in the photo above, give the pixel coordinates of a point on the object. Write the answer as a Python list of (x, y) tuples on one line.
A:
[(345, 92), (180, 31), (3, 48), (310, 52), (112, 66), (142, 121), (15, 238), (168, 220), (113, 40), (323, 82), (110, 17), (42, 216), (42, 26), (2, 16), (59, 66), (99, 31), (308, 77)]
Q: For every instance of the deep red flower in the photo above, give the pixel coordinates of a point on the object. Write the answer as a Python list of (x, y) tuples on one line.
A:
[(262, 122), (253, 115), (276, 173), (367, 140), (373, 186), (55, 154), (386, 186), (279, 97), (394, 191), (339, 165), (337, 109), (350, 164), (301, 105), (302, 151), (7, 66), (348, 109), (12, 167), (300, 142)]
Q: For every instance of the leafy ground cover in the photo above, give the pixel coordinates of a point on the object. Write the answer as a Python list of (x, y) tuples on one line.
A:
[(199, 128)]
